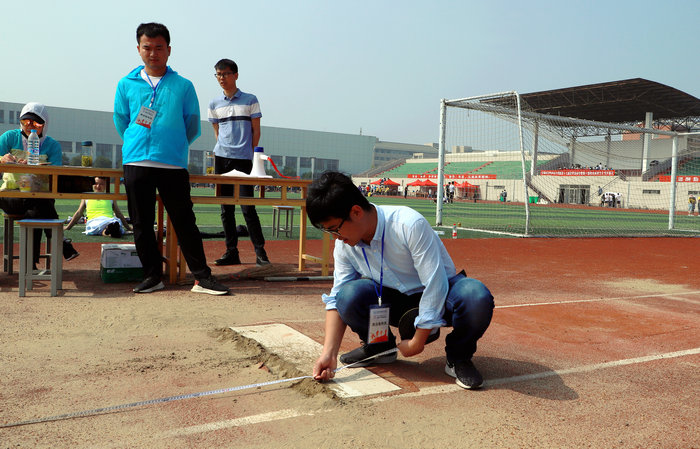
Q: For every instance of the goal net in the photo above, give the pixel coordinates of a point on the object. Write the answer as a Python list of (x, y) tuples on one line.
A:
[(514, 171)]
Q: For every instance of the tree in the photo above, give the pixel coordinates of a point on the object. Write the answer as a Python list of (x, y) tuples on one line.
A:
[(102, 162)]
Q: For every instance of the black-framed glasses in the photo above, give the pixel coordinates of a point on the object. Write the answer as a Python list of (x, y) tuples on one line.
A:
[(223, 75), (335, 231)]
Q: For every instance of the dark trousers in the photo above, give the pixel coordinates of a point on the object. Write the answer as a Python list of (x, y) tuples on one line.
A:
[(468, 309), (174, 188), (228, 211), (31, 208)]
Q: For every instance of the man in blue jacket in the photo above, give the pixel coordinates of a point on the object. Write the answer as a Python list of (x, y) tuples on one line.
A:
[(156, 112)]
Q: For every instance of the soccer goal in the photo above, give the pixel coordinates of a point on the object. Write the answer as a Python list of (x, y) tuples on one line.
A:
[(522, 173)]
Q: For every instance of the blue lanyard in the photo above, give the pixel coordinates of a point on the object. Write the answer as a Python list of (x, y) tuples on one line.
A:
[(153, 96), (381, 271)]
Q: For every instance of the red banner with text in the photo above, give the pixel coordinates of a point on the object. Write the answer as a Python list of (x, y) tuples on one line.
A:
[(574, 172), (462, 176), (681, 178)]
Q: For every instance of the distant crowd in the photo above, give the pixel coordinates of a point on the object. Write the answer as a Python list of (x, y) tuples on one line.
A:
[(600, 166)]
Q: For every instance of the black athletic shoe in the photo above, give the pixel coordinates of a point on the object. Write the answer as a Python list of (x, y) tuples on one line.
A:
[(150, 284), (114, 230), (228, 259), (69, 253), (365, 351), (262, 260), (209, 286), (465, 373)]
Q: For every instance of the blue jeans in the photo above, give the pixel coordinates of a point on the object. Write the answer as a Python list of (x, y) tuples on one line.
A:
[(468, 310)]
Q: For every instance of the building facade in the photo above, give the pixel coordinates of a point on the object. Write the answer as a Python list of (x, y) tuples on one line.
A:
[(295, 152)]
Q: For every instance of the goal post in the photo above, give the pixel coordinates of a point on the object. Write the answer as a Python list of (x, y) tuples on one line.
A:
[(518, 172)]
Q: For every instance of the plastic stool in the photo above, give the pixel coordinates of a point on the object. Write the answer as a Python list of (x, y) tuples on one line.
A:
[(54, 253), (288, 220), (8, 244)]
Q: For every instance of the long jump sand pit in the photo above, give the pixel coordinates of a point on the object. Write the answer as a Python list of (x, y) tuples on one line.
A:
[(594, 343)]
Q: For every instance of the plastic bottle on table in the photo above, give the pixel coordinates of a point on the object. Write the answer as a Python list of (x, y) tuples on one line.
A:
[(33, 148)]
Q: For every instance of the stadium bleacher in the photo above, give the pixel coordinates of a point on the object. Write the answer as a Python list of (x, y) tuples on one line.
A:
[(689, 167), (502, 169), (404, 170)]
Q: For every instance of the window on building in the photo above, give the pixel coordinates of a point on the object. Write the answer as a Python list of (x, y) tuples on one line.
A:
[(326, 165), (11, 118), (196, 164), (2, 116), (66, 147), (103, 155), (291, 162), (104, 150), (118, 157)]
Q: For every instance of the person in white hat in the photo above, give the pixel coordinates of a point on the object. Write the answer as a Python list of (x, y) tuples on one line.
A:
[(34, 116)]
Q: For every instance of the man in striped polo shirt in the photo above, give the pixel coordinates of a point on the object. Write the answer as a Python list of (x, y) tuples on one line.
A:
[(235, 116)]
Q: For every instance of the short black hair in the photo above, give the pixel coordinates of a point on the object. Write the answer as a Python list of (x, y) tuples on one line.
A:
[(152, 29), (332, 196), (226, 64)]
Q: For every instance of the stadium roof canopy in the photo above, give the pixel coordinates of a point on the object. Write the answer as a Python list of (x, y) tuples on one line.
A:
[(625, 101)]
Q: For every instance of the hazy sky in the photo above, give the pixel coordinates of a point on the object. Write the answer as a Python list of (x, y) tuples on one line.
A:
[(377, 66)]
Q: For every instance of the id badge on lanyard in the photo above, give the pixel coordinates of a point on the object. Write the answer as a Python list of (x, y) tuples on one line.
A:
[(378, 313), (147, 114), (378, 324), (146, 117)]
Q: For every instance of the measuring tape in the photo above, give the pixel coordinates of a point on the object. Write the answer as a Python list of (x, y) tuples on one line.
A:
[(179, 397)]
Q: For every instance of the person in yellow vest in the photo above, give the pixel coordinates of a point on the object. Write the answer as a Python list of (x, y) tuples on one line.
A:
[(103, 216)]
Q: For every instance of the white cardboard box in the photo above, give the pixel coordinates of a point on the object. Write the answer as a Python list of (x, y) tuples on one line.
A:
[(120, 263)]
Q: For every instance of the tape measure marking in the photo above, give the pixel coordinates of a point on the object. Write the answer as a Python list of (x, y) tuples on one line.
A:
[(98, 411)]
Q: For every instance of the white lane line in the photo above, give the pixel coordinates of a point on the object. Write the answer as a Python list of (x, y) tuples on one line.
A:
[(673, 297), (239, 422), (527, 377), (439, 389), (574, 301)]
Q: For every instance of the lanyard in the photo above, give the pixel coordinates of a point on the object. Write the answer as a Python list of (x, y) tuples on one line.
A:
[(153, 96), (381, 270)]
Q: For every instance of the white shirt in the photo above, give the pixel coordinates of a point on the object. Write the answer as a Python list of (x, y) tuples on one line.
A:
[(415, 260)]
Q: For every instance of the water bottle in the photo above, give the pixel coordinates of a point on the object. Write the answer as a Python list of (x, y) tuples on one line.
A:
[(454, 231), (33, 148)]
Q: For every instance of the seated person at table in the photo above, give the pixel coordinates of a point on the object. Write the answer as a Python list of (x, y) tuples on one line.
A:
[(33, 116), (103, 216)]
